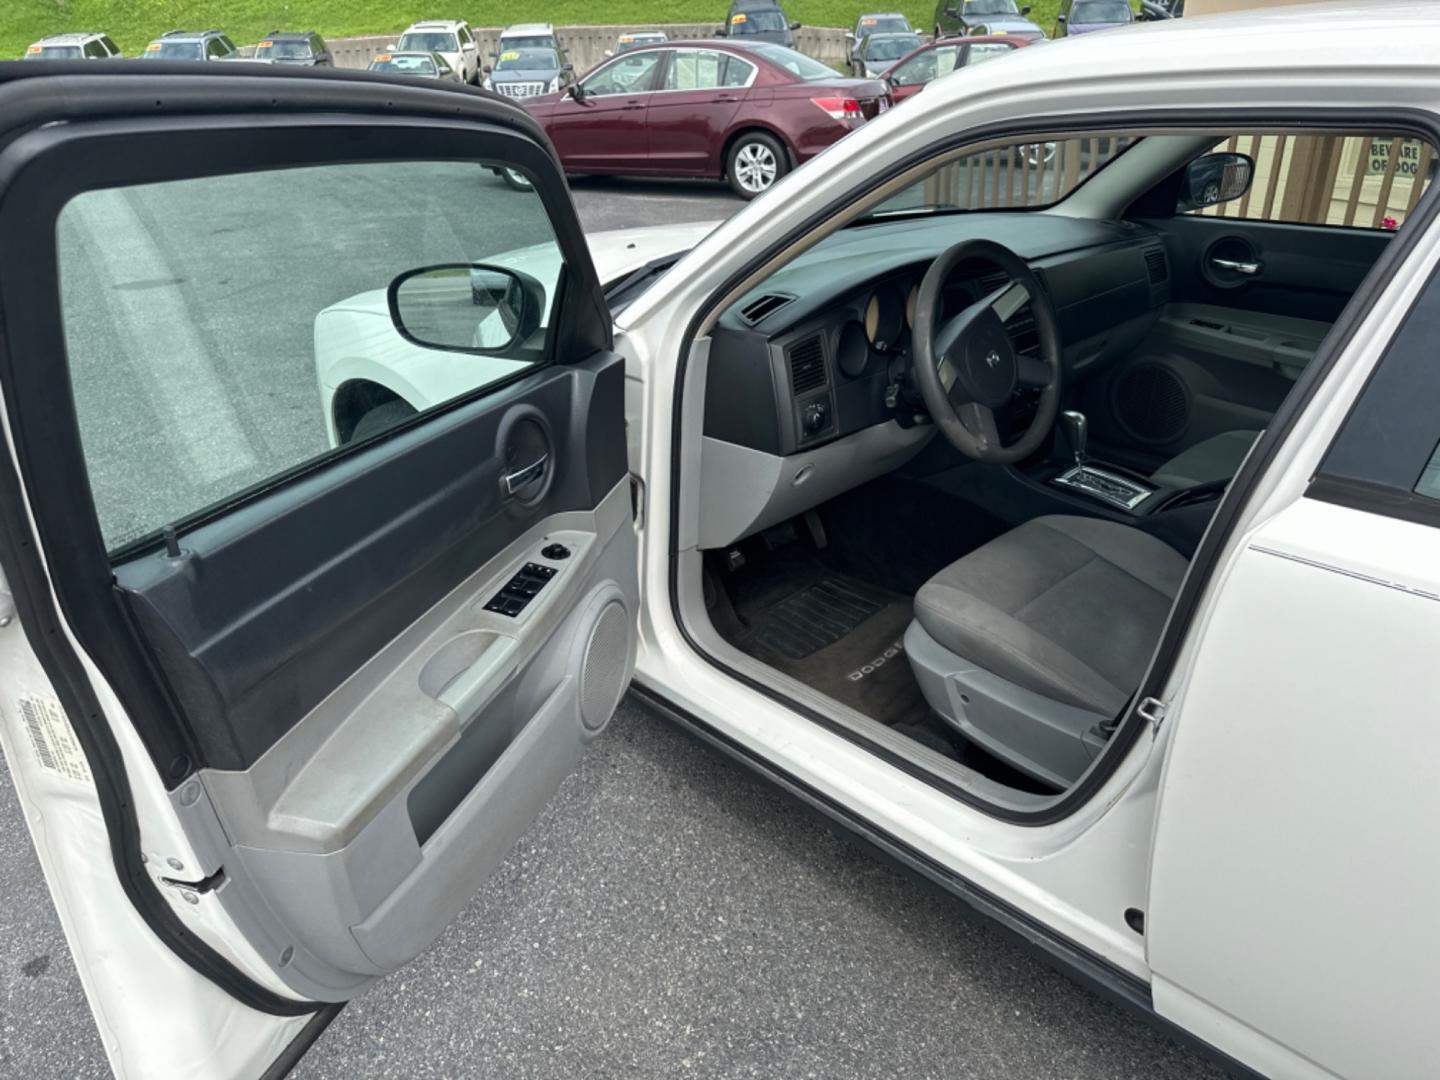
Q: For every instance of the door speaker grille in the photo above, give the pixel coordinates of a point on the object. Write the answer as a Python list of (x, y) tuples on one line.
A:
[(1152, 403), (602, 669)]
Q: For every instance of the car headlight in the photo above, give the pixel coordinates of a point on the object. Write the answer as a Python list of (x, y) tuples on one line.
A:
[(554, 85), (487, 85)]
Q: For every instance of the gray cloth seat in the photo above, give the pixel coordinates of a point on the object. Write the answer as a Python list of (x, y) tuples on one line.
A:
[(1216, 458), (1070, 608)]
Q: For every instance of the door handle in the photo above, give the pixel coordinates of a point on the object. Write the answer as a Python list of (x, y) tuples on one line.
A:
[(1249, 269), (513, 482), (632, 105)]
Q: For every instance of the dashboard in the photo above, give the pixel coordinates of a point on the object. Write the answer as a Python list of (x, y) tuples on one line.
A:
[(808, 378)]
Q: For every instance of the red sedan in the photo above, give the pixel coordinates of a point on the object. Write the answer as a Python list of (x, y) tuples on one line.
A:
[(746, 112), (908, 75)]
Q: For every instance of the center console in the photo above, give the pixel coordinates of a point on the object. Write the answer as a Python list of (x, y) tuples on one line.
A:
[(1115, 487)]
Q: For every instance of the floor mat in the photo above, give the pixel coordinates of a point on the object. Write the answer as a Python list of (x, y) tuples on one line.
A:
[(840, 636), (817, 616)]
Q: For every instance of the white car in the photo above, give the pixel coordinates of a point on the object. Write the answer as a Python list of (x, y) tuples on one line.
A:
[(528, 36), (370, 376), (1066, 527), (89, 46), (451, 38)]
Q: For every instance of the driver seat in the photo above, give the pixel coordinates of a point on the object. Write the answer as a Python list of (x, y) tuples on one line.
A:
[(1034, 642)]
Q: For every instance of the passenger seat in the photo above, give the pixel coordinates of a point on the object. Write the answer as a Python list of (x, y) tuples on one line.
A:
[(1216, 458)]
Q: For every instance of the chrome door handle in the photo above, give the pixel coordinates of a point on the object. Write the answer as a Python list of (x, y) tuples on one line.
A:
[(1249, 269), (516, 480)]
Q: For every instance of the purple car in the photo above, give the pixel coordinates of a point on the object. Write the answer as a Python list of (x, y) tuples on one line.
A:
[(1084, 16)]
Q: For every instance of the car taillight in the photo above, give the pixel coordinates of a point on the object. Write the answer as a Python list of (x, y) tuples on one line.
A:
[(839, 108)]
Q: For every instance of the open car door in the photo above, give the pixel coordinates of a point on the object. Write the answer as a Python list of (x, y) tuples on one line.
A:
[(315, 515)]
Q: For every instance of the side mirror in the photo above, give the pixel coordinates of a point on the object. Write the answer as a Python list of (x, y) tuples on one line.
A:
[(487, 69), (576, 91), (466, 307), (952, 13), (722, 32), (1025, 10), (568, 69), (391, 48), (849, 36), (794, 26), (1214, 179), (1061, 19)]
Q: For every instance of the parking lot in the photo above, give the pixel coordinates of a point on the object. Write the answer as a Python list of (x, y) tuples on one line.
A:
[(668, 915)]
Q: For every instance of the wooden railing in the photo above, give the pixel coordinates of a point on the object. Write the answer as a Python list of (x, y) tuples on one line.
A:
[(1365, 182), (1034, 174)]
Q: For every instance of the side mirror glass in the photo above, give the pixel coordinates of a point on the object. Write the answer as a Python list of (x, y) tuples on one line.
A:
[(1215, 178), (465, 307)]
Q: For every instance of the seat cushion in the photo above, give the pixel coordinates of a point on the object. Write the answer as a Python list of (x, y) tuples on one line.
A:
[(1216, 458), (1068, 607)]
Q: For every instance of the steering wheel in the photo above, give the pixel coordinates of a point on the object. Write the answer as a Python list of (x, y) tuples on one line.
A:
[(968, 368)]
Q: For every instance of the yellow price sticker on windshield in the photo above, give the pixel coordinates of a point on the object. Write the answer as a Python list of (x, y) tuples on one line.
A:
[(383, 58), (509, 56), (154, 46), (33, 49), (736, 20), (867, 22), (1000, 33), (265, 45)]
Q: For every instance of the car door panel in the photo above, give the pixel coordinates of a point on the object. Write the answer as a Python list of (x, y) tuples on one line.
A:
[(348, 732), (1228, 346)]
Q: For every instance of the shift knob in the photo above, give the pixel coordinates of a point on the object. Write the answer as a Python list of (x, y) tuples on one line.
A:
[(1074, 426)]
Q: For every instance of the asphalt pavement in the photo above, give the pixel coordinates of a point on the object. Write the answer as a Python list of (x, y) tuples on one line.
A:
[(669, 915)]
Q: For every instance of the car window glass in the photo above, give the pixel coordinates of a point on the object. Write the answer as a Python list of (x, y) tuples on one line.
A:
[(1429, 484), (1101, 11), (734, 71), (1355, 181), (979, 54), (991, 7), (95, 51), (110, 46), (214, 49), (625, 75), (797, 63), (1015, 176), (756, 21), (427, 41), (239, 326), (693, 69), (890, 48)]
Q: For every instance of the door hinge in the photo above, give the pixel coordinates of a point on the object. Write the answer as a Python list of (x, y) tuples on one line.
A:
[(1153, 711)]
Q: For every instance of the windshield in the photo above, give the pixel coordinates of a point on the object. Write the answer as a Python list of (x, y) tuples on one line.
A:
[(1100, 11), (1017, 176), (883, 24), (637, 40), (762, 21), (403, 65), (798, 64), (991, 7), (891, 48), (174, 50), (528, 60), (282, 50), (53, 52), (428, 41), (529, 41)]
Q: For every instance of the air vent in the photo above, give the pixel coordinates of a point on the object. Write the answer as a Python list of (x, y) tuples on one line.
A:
[(807, 365), (990, 282), (1156, 266), (762, 307)]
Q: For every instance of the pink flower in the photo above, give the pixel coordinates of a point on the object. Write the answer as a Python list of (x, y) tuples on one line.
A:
[(1390, 223)]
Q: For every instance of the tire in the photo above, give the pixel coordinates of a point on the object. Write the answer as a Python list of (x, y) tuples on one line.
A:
[(515, 179), (755, 161), (381, 418)]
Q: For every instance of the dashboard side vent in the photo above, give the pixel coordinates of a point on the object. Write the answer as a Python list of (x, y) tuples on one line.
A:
[(762, 307), (807, 365), (1156, 265)]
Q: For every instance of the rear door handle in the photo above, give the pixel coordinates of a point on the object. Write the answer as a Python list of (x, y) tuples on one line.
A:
[(513, 482), (632, 105), (1235, 266)]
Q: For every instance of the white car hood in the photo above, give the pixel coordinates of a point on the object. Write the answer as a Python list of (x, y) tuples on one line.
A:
[(616, 255)]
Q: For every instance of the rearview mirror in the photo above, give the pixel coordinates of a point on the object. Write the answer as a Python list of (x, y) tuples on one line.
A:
[(1215, 178), (466, 307)]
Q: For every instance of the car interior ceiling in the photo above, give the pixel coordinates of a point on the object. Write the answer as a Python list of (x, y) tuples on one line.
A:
[(979, 607)]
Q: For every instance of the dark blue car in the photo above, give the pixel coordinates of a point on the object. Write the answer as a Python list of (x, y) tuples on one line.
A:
[(1084, 16)]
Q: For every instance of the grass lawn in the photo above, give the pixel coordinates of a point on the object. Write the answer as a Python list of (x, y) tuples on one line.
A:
[(132, 23)]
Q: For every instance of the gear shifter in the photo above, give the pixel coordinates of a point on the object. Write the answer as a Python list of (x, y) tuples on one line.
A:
[(1074, 425)]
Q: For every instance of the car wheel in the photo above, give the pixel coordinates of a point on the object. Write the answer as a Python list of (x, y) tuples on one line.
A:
[(381, 418), (755, 162), (515, 179)]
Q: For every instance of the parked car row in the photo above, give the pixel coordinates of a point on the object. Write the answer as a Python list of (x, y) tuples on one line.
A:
[(297, 48)]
